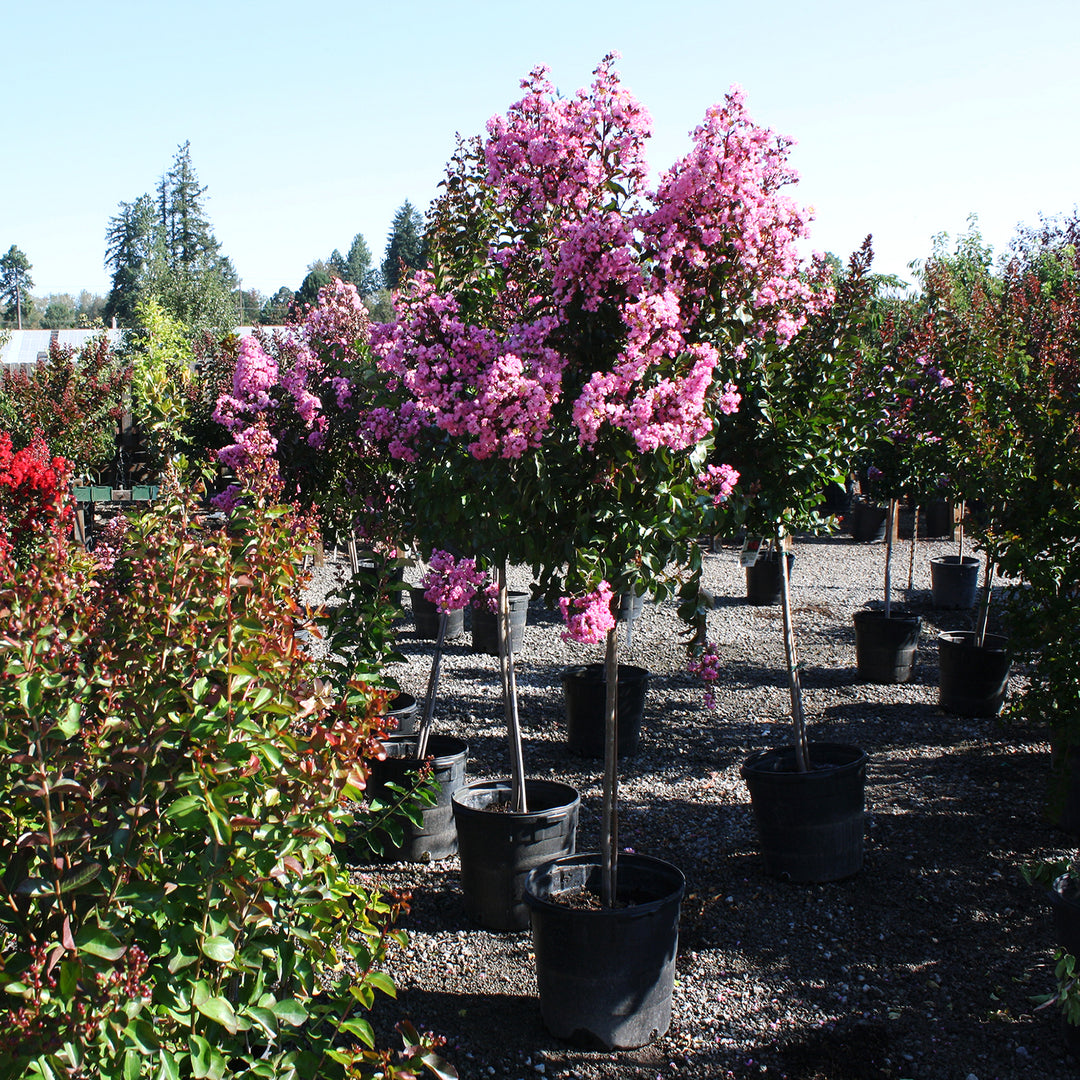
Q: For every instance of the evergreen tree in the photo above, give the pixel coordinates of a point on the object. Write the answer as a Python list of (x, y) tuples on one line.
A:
[(366, 277), (318, 276), (406, 248), (275, 312), (15, 280)]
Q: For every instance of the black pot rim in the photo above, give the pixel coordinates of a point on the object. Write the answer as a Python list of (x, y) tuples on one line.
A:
[(896, 614), (992, 643), (595, 672), (564, 797), (443, 748), (660, 867), (853, 758), (955, 560)]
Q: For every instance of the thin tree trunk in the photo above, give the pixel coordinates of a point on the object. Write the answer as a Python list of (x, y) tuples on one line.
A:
[(510, 702), (609, 824), (984, 605), (963, 513), (798, 717), (890, 518), (911, 560)]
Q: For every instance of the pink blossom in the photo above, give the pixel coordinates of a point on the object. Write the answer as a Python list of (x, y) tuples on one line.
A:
[(588, 618), (451, 583)]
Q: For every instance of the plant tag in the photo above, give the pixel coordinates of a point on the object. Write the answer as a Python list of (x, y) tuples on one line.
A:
[(751, 547)]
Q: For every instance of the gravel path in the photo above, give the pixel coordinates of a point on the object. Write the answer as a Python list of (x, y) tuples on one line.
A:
[(921, 966)]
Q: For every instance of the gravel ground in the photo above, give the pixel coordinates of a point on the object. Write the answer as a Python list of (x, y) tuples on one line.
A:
[(923, 965)]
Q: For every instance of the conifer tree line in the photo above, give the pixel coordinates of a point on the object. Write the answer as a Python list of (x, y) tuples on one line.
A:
[(161, 248)]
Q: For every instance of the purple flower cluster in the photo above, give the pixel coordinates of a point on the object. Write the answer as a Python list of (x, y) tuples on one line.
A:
[(451, 583), (588, 618)]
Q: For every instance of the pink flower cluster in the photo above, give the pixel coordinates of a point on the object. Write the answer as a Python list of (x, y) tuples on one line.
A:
[(706, 666), (451, 583), (720, 481), (588, 618)]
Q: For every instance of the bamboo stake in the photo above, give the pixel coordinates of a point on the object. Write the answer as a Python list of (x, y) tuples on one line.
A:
[(798, 717), (433, 689), (510, 702), (911, 560), (984, 606), (609, 824), (889, 519)]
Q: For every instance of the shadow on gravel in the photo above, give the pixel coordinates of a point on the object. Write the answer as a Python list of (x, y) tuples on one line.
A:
[(848, 1051)]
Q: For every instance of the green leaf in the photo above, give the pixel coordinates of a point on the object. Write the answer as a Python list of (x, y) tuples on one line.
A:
[(290, 1010), (360, 1028), (220, 1011), (79, 876), (264, 1018), (131, 1064), (381, 981), (168, 1067), (220, 949), (98, 942)]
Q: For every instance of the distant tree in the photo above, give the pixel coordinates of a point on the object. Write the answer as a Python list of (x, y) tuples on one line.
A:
[(59, 312), (363, 274), (90, 310), (405, 246), (15, 280), (318, 276), (163, 249), (275, 312)]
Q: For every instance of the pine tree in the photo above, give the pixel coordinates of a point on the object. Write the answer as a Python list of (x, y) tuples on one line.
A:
[(15, 280), (406, 248)]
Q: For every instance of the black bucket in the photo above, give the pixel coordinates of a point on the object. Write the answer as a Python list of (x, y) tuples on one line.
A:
[(763, 579), (954, 582), (426, 617), (585, 693), (485, 629), (810, 824), (885, 649), (435, 837), (972, 679), (940, 518), (868, 522), (605, 975), (402, 713), (498, 847)]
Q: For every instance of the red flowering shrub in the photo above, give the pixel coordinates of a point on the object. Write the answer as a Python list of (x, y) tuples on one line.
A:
[(33, 499)]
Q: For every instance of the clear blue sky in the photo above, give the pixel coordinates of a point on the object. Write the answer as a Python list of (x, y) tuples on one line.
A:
[(311, 122)]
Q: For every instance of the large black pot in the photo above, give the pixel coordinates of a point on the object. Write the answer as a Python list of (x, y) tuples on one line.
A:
[(498, 847), (940, 518), (972, 679), (810, 824), (485, 625), (868, 522), (585, 695), (954, 581), (885, 649), (435, 837), (426, 617), (605, 975), (763, 578)]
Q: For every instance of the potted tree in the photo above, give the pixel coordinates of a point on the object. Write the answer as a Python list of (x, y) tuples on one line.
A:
[(791, 437), (571, 354)]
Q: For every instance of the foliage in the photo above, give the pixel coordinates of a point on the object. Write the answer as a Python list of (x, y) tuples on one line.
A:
[(173, 784), (74, 399), (406, 246), (15, 281), (163, 248)]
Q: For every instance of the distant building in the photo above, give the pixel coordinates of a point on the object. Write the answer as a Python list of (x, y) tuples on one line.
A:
[(24, 348)]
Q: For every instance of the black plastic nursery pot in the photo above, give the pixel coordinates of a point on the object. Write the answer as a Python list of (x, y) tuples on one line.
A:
[(435, 837), (973, 680), (485, 625), (763, 578), (810, 824), (426, 617), (402, 713), (954, 582), (940, 518), (886, 648), (605, 975), (1064, 897), (585, 694), (867, 522), (499, 847)]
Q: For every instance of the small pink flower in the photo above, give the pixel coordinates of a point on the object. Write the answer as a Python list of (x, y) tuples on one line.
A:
[(588, 618)]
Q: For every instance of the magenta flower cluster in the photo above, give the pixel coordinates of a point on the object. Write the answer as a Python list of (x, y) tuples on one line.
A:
[(588, 618), (719, 481), (706, 666), (451, 583)]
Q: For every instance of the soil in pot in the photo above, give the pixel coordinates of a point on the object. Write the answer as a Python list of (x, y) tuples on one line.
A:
[(426, 617), (954, 582), (886, 648), (436, 836), (585, 694), (810, 824), (973, 680), (763, 578), (605, 975), (485, 628), (499, 847)]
